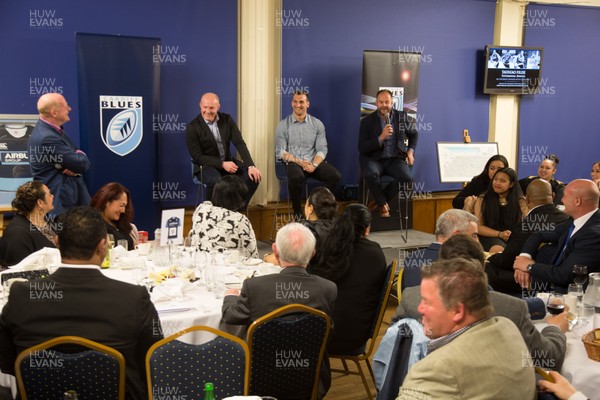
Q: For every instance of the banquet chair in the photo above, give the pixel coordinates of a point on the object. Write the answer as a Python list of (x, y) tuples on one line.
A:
[(95, 371), (224, 361), (281, 173), (29, 274), (286, 352), (201, 192), (362, 354), (398, 367)]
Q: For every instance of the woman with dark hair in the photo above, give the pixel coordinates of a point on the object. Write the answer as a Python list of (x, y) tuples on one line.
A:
[(546, 171), (217, 224), (357, 265), (502, 206), (28, 231), (479, 183), (320, 211), (113, 201)]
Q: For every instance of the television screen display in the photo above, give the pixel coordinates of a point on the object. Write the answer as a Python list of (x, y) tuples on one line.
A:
[(512, 70)]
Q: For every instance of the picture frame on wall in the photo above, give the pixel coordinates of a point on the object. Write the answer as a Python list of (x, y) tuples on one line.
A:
[(460, 162), (15, 130)]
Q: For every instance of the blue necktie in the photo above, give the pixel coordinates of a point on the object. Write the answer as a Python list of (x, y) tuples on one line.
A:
[(562, 252)]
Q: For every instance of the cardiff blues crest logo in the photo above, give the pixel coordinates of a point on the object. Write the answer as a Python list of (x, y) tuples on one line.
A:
[(121, 127)]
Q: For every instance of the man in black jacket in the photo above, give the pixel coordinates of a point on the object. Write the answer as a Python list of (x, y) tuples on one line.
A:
[(208, 138)]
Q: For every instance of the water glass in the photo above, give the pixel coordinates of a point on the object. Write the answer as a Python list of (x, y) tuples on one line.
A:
[(575, 290), (123, 243), (219, 284)]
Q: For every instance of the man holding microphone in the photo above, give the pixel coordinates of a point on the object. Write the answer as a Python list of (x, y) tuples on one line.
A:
[(386, 142)]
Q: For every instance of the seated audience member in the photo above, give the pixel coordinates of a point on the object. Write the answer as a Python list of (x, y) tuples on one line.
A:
[(546, 171), (561, 388), (449, 223), (208, 137), (218, 225), (320, 211), (543, 216), (294, 246), (29, 230), (469, 346), (113, 201), (578, 241), (300, 141), (111, 312), (357, 265), (547, 347), (502, 206), (480, 183)]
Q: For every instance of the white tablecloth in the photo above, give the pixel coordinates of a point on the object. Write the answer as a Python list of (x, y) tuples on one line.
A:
[(581, 371), (197, 307)]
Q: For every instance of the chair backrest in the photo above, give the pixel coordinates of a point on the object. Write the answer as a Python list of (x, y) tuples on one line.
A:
[(96, 372), (286, 351), (280, 169), (29, 275), (398, 366), (383, 300), (175, 368)]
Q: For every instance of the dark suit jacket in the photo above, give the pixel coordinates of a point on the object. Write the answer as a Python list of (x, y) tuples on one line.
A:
[(415, 261), (547, 348), (203, 147), (82, 302), (500, 266), (20, 239), (51, 152), (261, 295), (583, 248), (370, 128)]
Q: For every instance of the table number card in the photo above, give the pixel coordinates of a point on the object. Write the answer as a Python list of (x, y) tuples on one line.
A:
[(171, 224)]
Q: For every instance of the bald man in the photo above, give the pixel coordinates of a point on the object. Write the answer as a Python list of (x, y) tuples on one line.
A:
[(53, 157), (542, 216), (578, 241), (208, 137)]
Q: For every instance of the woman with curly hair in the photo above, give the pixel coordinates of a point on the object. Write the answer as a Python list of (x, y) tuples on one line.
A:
[(29, 230)]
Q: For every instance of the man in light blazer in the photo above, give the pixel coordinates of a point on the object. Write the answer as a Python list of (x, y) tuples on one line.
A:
[(54, 159), (208, 137), (78, 300), (468, 344), (294, 246), (578, 241), (547, 348)]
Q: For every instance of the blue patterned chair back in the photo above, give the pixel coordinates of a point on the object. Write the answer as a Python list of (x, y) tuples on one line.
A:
[(286, 352), (180, 370), (96, 373)]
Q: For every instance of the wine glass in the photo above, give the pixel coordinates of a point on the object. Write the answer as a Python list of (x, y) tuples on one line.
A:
[(556, 303), (580, 274)]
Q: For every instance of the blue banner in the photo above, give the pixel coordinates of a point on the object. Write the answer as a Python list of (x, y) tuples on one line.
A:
[(119, 88)]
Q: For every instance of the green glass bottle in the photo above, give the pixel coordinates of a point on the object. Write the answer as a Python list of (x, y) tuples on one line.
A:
[(209, 391)]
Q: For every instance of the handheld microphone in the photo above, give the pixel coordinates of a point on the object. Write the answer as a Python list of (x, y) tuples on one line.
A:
[(388, 121)]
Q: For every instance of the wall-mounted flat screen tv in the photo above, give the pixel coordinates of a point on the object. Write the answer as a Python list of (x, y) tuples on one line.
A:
[(512, 70)]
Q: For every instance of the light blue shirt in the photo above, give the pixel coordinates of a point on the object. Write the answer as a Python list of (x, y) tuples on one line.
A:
[(418, 350), (304, 140), (214, 128)]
